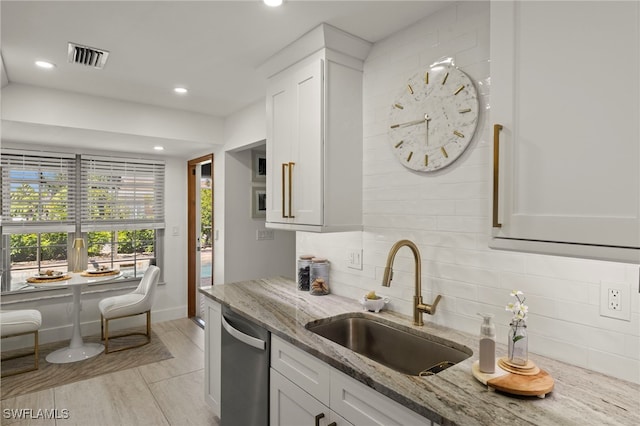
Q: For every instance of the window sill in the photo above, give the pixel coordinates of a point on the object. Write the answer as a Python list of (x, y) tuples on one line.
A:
[(47, 294)]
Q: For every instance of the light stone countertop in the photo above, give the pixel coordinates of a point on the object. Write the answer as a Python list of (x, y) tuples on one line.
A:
[(454, 396)]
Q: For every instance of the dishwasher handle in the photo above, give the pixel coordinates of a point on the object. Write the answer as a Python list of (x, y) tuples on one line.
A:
[(244, 338)]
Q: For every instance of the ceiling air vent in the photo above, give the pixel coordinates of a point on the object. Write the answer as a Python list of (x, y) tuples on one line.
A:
[(88, 56)]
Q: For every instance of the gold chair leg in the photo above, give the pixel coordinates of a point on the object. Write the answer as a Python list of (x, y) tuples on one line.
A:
[(106, 335), (35, 353), (147, 334)]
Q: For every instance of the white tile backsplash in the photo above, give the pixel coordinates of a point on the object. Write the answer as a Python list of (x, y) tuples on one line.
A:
[(446, 215)]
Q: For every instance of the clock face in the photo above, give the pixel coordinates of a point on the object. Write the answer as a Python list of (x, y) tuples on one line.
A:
[(434, 118)]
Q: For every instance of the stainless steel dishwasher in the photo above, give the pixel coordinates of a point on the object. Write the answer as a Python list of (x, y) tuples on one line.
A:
[(245, 371)]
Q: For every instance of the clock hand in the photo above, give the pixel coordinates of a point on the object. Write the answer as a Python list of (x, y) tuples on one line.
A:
[(408, 123), (427, 119)]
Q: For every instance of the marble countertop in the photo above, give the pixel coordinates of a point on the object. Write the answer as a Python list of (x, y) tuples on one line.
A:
[(453, 396)]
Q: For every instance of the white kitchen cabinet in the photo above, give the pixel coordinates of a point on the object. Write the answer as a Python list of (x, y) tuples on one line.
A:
[(306, 371), (565, 89), (302, 387), (292, 406), (364, 406), (314, 142), (212, 365)]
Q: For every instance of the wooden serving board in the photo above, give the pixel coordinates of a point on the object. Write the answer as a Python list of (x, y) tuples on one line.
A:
[(37, 280), (99, 274), (517, 384)]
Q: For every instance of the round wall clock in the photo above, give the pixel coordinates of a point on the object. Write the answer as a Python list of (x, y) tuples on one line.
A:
[(434, 118)]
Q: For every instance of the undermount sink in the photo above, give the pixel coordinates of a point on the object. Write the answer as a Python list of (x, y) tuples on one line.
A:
[(416, 355)]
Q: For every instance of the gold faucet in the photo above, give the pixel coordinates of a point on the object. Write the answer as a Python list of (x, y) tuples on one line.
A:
[(418, 306)]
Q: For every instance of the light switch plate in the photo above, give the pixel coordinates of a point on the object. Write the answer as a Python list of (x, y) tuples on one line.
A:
[(615, 300), (354, 259)]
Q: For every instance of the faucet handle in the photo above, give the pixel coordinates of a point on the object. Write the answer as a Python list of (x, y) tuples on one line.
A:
[(431, 309)]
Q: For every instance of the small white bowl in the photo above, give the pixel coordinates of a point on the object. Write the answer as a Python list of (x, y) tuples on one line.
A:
[(374, 305)]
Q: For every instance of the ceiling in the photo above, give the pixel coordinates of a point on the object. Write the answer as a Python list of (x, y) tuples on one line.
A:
[(213, 48)]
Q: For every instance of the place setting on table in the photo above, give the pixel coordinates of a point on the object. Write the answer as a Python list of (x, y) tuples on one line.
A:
[(77, 350)]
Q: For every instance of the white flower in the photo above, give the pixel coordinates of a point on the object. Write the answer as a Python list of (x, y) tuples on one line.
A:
[(518, 309)]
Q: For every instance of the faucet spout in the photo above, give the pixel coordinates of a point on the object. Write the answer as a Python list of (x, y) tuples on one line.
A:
[(418, 306)]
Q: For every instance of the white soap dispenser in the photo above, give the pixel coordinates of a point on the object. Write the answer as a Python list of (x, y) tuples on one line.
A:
[(487, 345)]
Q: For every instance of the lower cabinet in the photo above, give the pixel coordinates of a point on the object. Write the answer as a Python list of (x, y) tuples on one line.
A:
[(291, 406), (307, 391), (212, 340)]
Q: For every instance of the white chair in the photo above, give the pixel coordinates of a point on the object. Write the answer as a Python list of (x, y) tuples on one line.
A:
[(19, 323), (137, 302)]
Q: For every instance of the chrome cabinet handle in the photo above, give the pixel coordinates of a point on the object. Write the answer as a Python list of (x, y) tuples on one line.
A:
[(496, 171)]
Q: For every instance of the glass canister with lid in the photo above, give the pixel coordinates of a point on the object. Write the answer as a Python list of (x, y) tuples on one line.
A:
[(319, 276), (304, 272)]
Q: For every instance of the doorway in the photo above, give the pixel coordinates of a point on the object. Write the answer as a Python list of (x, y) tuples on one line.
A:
[(200, 233)]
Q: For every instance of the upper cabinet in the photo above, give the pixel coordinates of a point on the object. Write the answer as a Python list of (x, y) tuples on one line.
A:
[(314, 133), (565, 110)]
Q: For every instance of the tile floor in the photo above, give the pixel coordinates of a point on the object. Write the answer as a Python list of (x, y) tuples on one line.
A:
[(169, 392)]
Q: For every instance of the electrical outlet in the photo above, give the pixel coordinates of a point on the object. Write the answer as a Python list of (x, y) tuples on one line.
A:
[(264, 234), (615, 300), (354, 259)]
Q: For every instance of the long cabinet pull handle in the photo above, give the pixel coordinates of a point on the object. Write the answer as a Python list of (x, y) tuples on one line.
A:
[(291, 188), (284, 166), (496, 172), (318, 417)]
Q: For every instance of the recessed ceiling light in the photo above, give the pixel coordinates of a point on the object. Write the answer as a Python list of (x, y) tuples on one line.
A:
[(45, 64), (180, 90), (272, 3), (158, 148)]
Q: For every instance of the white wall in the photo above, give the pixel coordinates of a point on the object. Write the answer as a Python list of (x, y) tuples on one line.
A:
[(446, 214), (237, 253), (41, 106), (246, 257)]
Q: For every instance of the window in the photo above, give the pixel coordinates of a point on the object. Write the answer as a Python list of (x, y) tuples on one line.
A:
[(129, 251), (49, 199)]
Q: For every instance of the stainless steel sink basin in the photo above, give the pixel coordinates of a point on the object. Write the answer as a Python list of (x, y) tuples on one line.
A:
[(405, 352)]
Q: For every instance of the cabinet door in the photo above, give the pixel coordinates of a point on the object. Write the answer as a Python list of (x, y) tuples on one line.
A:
[(291, 406), (307, 147), (212, 338), (279, 147), (362, 405), (565, 88)]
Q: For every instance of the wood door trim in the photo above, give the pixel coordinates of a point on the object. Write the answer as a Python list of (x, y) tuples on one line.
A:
[(191, 231)]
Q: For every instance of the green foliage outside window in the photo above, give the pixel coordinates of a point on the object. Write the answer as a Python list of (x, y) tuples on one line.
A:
[(53, 246)]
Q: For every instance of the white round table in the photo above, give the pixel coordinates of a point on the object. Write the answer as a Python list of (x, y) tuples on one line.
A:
[(77, 350)]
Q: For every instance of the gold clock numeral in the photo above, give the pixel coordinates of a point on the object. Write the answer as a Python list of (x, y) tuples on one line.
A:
[(426, 160), (398, 106), (462, 111), (399, 144), (409, 157), (444, 152), (459, 89), (410, 89), (444, 80), (458, 134), (426, 78)]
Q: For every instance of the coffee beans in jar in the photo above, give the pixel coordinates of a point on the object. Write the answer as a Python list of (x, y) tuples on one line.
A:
[(304, 272)]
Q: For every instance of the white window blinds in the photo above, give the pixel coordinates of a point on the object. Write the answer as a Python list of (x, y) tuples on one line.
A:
[(38, 191), (120, 193)]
